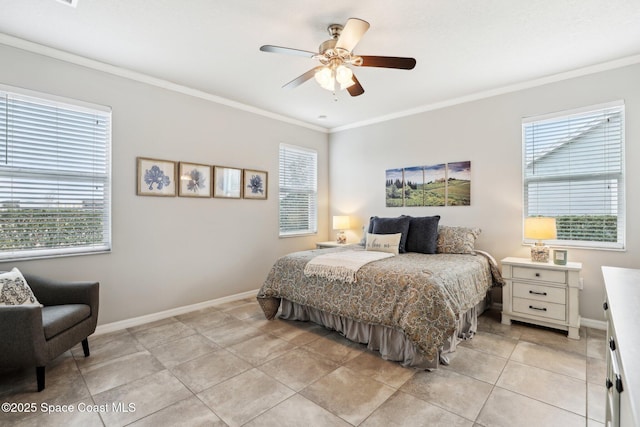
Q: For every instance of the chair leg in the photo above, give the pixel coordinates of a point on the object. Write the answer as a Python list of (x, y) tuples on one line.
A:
[(85, 347), (40, 377)]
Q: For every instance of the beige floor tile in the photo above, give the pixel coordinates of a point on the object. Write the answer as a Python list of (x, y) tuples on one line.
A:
[(555, 389), (593, 423), (297, 411), (244, 311), (148, 394), (165, 332), (596, 347), (182, 350), (245, 396), (296, 332), (347, 394), (490, 343), (490, 320), (336, 348), (554, 338), (558, 361), (507, 409), (596, 370), (107, 347), (231, 333), (476, 364), (112, 373), (402, 409), (596, 402), (210, 369), (371, 365), (153, 324), (190, 412), (298, 368), (261, 349), (454, 392)]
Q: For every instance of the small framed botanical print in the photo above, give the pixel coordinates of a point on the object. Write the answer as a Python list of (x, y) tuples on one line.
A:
[(227, 182), (255, 184), (195, 180), (156, 177)]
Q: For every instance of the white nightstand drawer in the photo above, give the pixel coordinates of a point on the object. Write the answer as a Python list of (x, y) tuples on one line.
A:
[(542, 274), (540, 292), (539, 308)]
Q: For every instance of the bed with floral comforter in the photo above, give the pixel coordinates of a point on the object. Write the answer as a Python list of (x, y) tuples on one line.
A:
[(420, 298)]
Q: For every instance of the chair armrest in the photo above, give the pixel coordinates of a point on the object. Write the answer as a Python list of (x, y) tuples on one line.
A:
[(57, 292), (22, 339)]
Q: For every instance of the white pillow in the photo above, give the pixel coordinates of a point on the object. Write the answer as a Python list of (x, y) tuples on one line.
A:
[(14, 289), (383, 242)]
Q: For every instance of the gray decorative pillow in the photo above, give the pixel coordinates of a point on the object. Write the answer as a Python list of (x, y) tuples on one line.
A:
[(423, 234), (392, 226), (457, 240), (14, 289)]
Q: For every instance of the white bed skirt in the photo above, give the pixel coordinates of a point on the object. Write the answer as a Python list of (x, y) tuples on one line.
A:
[(391, 343)]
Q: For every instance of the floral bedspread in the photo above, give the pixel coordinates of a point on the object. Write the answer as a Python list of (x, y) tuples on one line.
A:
[(420, 294)]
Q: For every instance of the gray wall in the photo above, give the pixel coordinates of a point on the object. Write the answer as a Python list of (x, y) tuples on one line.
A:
[(487, 132), (172, 252)]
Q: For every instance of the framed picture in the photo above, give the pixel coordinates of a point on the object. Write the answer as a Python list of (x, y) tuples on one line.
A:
[(255, 184), (227, 182), (195, 180), (156, 177)]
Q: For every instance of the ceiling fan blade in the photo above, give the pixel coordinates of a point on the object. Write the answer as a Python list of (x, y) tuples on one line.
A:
[(356, 88), (301, 79), (388, 62), (351, 34), (287, 51)]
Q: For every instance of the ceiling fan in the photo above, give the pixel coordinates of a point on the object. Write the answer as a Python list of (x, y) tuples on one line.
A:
[(336, 55)]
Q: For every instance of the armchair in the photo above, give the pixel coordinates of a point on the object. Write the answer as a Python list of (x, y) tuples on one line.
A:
[(31, 335)]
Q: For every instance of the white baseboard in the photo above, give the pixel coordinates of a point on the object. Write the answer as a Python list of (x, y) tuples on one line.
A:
[(128, 323), (593, 323)]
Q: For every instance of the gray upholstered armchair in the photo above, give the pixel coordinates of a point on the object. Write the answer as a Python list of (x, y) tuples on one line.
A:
[(31, 335)]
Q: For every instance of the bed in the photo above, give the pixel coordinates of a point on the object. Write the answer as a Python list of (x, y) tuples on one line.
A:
[(413, 307)]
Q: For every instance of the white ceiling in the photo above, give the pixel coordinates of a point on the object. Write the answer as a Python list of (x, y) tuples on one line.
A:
[(463, 47)]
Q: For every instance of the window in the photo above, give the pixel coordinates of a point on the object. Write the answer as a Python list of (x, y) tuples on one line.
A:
[(298, 190), (54, 176), (574, 171)]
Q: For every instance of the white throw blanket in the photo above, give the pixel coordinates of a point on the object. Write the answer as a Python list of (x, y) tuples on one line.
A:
[(342, 265)]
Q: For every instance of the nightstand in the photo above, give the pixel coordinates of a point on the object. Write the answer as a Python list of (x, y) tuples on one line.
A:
[(544, 294), (331, 244)]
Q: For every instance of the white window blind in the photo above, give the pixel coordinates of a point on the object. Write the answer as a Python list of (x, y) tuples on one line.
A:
[(574, 171), (298, 182), (54, 177)]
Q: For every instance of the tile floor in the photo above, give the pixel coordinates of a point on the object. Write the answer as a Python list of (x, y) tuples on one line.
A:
[(227, 365)]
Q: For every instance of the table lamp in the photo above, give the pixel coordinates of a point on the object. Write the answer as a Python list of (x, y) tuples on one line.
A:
[(341, 223), (540, 228)]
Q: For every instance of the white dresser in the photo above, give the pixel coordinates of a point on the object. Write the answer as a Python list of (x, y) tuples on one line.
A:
[(622, 287), (544, 294)]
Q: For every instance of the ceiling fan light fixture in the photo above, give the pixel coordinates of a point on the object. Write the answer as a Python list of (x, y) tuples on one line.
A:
[(325, 78), (344, 75)]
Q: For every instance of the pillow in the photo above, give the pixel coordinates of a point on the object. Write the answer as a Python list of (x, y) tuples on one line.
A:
[(392, 226), (457, 240), (423, 234), (383, 242), (14, 289)]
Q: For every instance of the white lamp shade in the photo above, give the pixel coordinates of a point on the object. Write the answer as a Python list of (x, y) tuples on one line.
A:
[(341, 222), (540, 228)]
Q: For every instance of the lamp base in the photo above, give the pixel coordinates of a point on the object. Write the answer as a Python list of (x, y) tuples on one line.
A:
[(341, 238), (539, 253)]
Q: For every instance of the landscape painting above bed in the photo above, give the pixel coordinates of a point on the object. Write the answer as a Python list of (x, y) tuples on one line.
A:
[(445, 184), (411, 307)]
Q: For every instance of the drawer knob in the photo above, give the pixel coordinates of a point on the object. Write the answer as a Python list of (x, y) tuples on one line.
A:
[(544, 294), (537, 274), (537, 308), (608, 383)]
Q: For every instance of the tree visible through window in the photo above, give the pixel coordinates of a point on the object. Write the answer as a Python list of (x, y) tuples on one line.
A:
[(574, 172), (298, 190), (54, 177)]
